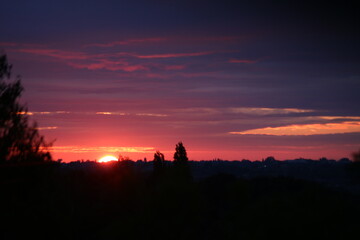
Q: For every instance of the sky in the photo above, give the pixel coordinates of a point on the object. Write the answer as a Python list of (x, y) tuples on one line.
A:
[(231, 79)]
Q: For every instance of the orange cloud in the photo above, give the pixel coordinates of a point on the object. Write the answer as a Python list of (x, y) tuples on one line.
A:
[(338, 117), (47, 128), (111, 113), (43, 113), (306, 129)]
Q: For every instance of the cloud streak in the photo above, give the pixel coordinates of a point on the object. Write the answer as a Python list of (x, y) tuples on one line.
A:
[(102, 149), (126, 42), (174, 55), (55, 53), (246, 61), (306, 129)]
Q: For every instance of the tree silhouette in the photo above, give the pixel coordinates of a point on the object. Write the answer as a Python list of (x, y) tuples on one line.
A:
[(356, 156), (180, 155), (159, 163), (20, 141)]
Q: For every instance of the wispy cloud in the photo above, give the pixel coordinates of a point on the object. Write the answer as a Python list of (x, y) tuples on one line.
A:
[(55, 53), (126, 42), (269, 111), (121, 61), (247, 61), (110, 65), (44, 113), (306, 129), (151, 114), (107, 113), (112, 113), (338, 117), (47, 128), (174, 55), (8, 44), (257, 111), (104, 149)]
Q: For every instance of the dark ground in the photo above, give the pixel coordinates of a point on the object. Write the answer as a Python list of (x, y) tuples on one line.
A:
[(126, 200)]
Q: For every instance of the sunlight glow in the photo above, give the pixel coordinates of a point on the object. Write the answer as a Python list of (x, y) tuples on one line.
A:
[(107, 158)]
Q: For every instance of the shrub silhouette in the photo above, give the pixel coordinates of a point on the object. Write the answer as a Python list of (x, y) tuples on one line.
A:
[(20, 140)]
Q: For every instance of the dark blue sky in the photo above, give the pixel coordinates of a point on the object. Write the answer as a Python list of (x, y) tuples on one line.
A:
[(232, 79)]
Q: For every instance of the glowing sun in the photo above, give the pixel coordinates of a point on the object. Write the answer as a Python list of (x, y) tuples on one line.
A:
[(107, 158)]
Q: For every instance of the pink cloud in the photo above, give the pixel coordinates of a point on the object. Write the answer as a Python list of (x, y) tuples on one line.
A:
[(126, 42), (242, 61), (110, 65), (8, 44), (175, 67), (174, 55), (60, 54)]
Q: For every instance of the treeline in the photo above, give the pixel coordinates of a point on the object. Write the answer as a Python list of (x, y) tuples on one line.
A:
[(116, 201)]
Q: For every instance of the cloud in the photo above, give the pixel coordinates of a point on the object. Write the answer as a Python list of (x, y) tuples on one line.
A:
[(43, 113), (96, 113), (8, 44), (306, 129), (338, 117), (110, 149), (47, 128), (60, 54), (110, 65), (269, 111), (123, 61), (151, 114), (111, 113), (126, 42), (233, 60), (174, 55), (257, 111)]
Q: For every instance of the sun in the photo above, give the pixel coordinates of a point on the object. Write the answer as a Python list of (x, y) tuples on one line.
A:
[(107, 158)]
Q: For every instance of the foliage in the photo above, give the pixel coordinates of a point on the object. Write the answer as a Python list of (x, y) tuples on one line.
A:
[(20, 140)]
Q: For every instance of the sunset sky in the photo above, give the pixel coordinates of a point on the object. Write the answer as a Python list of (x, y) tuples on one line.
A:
[(231, 80)]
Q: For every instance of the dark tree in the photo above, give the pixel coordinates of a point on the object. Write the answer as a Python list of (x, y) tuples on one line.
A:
[(269, 160), (180, 155), (356, 156), (20, 140), (159, 162)]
